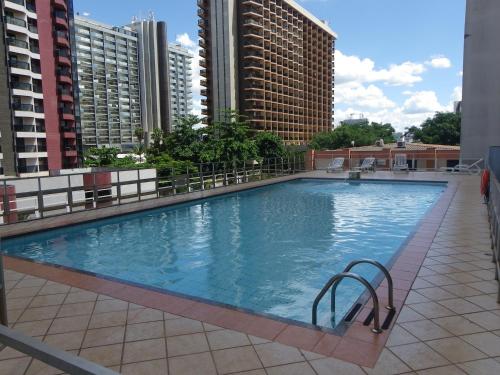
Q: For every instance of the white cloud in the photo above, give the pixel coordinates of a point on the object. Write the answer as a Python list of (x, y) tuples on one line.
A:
[(460, 73), (185, 40), (457, 94), (364, 96), (439, 62), (193, 47), (422, 102), (353, 68)]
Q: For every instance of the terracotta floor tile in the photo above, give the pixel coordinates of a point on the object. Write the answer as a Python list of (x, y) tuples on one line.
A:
[(182, 326), (301, 368), (103, 336), (75, 309), (273, 354), (356, 351), (144, 350), (265, 328), (144, 315), (487, 342), (47, 300), (481, 367), (304, 338), (236, 359), (455, 350), (458, 325), (201, 363), (419, 356), (15, 366), (109, 355), (81, 296), (109, 306), (156, 367), (187, 344), (110, 319), (38, 313), (387, 364), (144, 331), (75, 323), (225, 338), (37, 328), (66, 341), (330, 366)]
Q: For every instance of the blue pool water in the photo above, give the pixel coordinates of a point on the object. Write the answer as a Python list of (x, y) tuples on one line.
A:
[(269, 249)]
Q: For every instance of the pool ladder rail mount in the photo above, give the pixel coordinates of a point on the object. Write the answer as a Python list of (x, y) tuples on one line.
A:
[(375, 313)]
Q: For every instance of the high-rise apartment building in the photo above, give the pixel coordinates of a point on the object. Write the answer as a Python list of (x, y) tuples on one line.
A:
[(481, 80), (108, 79), (154, 80), (37, 124), (272, 61), (181, 80)]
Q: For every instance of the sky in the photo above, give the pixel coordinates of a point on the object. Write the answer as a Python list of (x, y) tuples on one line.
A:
[(396, 61)]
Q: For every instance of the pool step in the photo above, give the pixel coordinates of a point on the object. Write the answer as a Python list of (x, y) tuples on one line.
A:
[(375, 313)]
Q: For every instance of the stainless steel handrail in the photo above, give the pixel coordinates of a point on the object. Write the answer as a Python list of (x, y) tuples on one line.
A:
[(379, 266), (335, 280)]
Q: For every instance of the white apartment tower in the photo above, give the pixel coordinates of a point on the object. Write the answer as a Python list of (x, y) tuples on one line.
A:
[(181, 80)]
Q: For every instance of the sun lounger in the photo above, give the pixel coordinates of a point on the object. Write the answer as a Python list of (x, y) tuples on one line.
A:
[(400, 163), (367, 165), (473, 168), (336, 165)]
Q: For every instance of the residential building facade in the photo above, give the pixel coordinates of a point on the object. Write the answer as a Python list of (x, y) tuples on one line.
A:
[(481, 80), (37, 126), (108, 80), (272, 61), (154, 75), (181, 80)]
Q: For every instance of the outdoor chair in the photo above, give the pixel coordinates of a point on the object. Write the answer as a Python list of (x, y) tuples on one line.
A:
[(336, 165), (367, 165), (400, 163), (473, 168)]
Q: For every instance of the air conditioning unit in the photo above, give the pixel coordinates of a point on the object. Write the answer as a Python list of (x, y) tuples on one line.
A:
[(401, 144)]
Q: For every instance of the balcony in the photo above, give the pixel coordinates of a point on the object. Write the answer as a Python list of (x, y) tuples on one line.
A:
[(19, 64), (202, 3), (60, 4), (13, 42), (62, 38), (60, 18), (63, 57), (21, 86), (22, 107), (65, 95), (15, 21), (203, 24)]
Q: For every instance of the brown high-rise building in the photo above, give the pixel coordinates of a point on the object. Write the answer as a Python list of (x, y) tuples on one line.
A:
[(272, 61)]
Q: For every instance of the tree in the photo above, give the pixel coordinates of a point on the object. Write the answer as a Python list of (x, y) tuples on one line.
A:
[(343, 136), (443, 128), (228, 140), (184, 142), (100, 157), (269, 145)]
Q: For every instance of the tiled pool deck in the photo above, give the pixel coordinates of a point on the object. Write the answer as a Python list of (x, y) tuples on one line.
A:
[(448, 323)]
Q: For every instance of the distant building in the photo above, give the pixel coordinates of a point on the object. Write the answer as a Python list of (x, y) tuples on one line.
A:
[(355, 121), (481, 80), (270, 60), (457, 107), (37, 114), (181, 80), (108, 80), (154, 75)]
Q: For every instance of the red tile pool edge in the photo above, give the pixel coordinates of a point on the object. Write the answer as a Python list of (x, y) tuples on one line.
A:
[(358, 345)]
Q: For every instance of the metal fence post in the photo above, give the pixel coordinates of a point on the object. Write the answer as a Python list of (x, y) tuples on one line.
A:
[(157, 184), (118, 188), (3, 298), (202, 183), (173, 181), (225, 175), (40, 197), (139, 193), (94, 203), (282, 167), (213, 176), (70, 195), (188, 179), (6, 202)]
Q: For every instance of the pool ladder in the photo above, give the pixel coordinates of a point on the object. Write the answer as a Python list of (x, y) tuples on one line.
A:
[(375, 313)]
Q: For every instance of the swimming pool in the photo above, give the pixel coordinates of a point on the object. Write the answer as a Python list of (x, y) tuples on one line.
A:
[(269, 249)]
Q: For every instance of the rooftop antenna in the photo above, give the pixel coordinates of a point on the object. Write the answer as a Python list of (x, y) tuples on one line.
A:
[(134, 19), (151, 15)]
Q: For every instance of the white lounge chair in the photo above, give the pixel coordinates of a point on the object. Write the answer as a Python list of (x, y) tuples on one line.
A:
[(473, 168), (368, 164), (400, 163), (336, 165)]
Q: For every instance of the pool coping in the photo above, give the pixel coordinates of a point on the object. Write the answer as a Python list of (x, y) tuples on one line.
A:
[(357, 345)]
